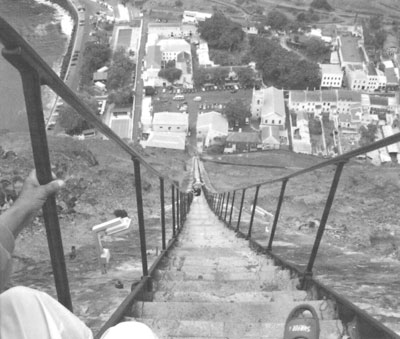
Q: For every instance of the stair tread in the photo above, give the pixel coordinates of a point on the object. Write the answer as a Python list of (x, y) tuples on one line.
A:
[(219, 311), (167, 328)]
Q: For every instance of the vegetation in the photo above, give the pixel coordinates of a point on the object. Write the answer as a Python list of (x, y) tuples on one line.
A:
[(368, 134), (170, 72), (71, 121), (282, 68), (321, 4), (236, 111), (120, 72), (94, 56), (277, 20), (221, 32), (119, 82), (316, 49)]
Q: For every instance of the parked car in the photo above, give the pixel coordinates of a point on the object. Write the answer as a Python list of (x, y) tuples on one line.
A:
[(197, 98)]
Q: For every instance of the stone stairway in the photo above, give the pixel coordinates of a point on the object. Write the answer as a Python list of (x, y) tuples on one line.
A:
[(214, 286)]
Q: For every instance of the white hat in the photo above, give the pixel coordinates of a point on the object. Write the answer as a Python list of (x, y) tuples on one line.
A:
[(129, 330)]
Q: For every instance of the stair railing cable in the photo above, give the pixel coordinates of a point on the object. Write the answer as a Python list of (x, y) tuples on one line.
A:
[(35, 73)]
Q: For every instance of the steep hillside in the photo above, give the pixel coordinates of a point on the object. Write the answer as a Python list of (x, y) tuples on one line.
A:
[(99, 180)]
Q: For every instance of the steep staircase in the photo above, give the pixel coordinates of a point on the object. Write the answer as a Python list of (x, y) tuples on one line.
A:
[(215, 286)]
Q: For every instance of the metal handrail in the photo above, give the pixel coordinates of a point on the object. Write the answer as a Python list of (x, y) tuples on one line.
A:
[(21, 55), (34, 73), (333, 161)]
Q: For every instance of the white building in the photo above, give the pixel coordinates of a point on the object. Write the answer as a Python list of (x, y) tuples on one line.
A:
[(364, 78), (211, 127), (332, 76), (193, 17), (268, 104), (169, 130)]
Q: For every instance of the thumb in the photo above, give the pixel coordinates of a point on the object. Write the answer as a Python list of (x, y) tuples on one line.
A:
[(53, 187)]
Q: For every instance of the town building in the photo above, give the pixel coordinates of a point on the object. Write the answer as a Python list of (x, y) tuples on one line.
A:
[(331, 76), (169, 130), (242, 142), (301, 140), (212, 128), (121, 121), (364, 78), (159, 52), (268, 105), (195, 17)]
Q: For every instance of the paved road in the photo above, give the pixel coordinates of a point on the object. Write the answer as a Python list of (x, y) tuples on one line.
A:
[(137, 109)]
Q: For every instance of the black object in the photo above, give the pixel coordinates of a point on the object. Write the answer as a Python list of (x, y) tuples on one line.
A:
[(301, 325)]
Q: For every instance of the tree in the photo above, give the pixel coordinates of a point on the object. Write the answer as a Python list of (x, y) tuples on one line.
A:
[(178, 3), (368, 134), (316, 49), (200, 77), (94, 56), (321, 4), (71, 121), (235, 110), (246, 76), (277, 20), (171, 74), (375, 22), (120, 73), (221, 32), (121, 97)]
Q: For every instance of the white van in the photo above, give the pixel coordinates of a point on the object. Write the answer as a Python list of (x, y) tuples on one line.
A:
[(179, 97), (197, 99)]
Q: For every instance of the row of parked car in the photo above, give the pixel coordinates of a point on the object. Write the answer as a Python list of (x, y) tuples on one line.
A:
[(233, 88)]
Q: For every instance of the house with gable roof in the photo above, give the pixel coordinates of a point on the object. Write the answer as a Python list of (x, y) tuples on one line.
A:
[(268, 105), (242, 142), (169, 130), (212, 128)]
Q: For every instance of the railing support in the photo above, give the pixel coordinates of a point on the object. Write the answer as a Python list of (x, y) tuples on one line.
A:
[(277, 212), (162, 201), (324, 219), (178, 210), (253, 212), (233, 203), (139, 203), (226, 205), (173, 211), (240, 210), (221, 207), (31, 83)]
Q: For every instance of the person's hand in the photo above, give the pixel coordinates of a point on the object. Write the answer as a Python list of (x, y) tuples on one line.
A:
[(31, 199), (34, 195)]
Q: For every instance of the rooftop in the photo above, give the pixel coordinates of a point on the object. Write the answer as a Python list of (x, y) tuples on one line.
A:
[(121, 127), (170, 118), (347, 95), (170, 140), (274, 101), (174, 45), (379, 101), (331, 69), (214, 119), (153, 57), (244, 137)]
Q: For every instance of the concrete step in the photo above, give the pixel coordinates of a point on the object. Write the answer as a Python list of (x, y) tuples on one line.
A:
[(236, 312), (177, 259), (228, 287), (222, 296), (268, 275), (166, 328), (243, 252)]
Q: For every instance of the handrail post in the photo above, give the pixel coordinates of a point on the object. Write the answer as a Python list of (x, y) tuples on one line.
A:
[(221, 207), (218, 203), (233, 202), (178, 210), (162, 200), (240, 210), (253, 212), (173, 210), (324, 219), (31, 83), (226, 205), (139, 203), (278, 210)]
